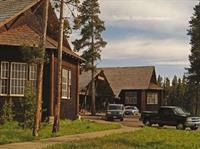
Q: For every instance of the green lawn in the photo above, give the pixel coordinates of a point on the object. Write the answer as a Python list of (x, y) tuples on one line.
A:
[(11, 132), (146, 138)]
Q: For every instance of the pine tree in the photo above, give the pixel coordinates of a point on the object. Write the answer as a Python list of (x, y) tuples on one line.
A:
[(160, 81), (194, 58), (64, 30), (38, 113), (91, 41), (166, 86), (173, 92)]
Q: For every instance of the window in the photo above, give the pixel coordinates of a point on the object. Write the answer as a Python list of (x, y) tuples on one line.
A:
[(152, 98), (4, 78), (17, 79), (13, 77), (33, 75), (130, 97), (66, 84)]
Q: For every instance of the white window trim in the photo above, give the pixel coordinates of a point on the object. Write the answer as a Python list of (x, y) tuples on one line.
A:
[(30, 77), (3, 78), (11, 94), (155, 99), (68, 84), (130, 97)]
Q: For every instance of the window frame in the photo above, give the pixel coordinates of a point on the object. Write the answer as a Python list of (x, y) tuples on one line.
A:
[(152, 101), (131, 96), (6, 78), (32, 79), (23, 80), (20, 71), (67, 84)]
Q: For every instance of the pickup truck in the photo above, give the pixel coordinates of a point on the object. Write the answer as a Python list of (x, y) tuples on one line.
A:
[(171, 116)]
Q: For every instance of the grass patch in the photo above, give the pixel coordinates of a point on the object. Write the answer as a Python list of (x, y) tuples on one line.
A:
[(11, 132), (146, 138)]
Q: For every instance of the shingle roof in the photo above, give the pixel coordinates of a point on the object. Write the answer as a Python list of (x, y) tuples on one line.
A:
[(9, 9), (125, 78), (24, 35), (85, 79)]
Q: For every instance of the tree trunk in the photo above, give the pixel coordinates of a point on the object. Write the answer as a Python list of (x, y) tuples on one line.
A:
[(93, 108), (59, 76), (38, 113), (197, 100)]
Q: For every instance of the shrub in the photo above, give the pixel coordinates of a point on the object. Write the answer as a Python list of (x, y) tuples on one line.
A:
[(28, 104), (6, 112)]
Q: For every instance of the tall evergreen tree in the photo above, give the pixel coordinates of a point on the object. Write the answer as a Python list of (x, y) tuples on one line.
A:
[(64, 30), (91, 41), (38, 113), (160, 81), (173, 92), (59, 66), (194, 58), (166, 86)]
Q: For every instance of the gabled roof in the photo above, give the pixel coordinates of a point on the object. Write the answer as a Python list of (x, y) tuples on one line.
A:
[(126, 78), (26, 29), (12, 8), (24, 35), (85, 79)]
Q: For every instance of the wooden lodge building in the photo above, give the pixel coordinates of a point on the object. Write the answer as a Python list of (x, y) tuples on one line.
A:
[(20, 25), (125, 85)]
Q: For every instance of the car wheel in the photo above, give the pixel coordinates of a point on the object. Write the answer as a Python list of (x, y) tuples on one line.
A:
[(180, 126), (121, 119), (160, 125), (147, 122), (194, 128)]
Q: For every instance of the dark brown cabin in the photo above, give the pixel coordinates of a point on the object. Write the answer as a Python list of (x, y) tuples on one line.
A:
[(130, 86), (104, 93), (20, 25)]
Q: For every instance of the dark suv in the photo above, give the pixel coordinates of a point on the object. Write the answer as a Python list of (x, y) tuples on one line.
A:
[(115, 111), (171, 116)]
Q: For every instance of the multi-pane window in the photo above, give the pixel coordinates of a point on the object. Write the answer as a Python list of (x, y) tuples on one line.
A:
[(14, 76), (152, 98), (66, 84), (4, 78), (18, 79), (131, 97), (33, 75)]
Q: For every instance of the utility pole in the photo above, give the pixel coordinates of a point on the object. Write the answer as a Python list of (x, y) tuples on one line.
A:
[(59, 68)]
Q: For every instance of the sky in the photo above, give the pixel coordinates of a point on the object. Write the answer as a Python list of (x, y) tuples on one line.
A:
[(147, 32)]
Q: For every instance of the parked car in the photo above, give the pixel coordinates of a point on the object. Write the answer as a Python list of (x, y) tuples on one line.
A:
[(171, 116), (115, 111), (131, 110)]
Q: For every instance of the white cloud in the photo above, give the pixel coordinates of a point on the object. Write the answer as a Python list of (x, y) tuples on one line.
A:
[(155, 14), (169, 51)]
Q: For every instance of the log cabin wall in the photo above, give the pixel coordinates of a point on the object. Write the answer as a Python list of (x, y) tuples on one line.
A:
[(69, 107), (154, 107)]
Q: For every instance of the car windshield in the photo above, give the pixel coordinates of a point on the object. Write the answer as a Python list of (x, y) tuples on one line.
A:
[(132, 108), (129, 107), (180, 111), (115, 107)]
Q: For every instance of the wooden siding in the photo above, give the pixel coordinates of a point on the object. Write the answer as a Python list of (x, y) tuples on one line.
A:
[(69, 108)]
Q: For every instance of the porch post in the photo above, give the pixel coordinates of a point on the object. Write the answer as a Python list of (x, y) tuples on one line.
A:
[(143, 101), (52, 84), (77, 89)]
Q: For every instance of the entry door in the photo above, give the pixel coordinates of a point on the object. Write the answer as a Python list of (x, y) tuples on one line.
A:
[(131, 98)]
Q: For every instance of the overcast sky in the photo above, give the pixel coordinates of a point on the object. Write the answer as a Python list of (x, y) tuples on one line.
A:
[(147, 32)]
